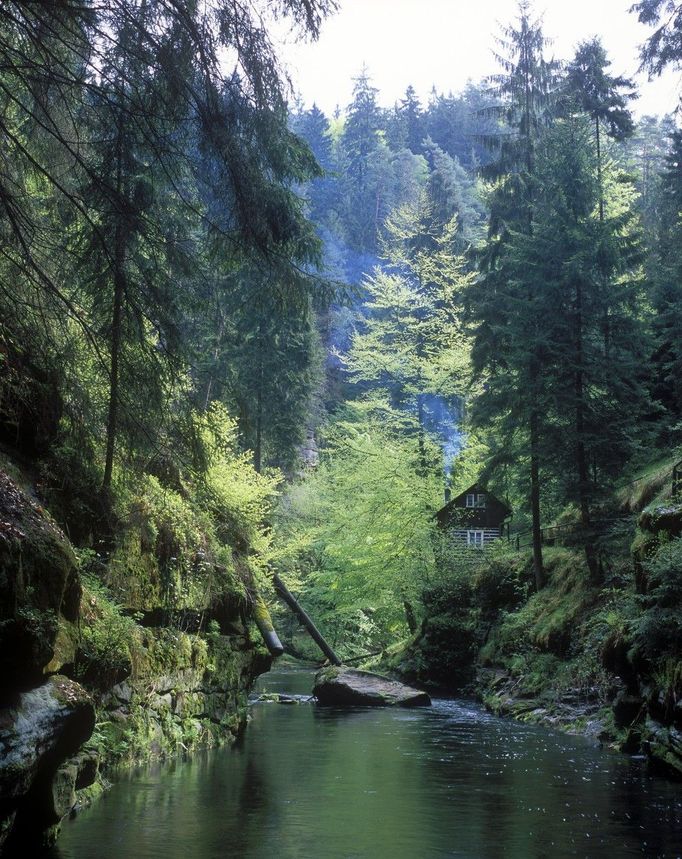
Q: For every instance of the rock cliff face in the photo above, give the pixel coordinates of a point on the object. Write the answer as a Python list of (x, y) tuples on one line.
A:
[(184, 692), (44, 717), (39, 593), (41, 768), (61, 720)]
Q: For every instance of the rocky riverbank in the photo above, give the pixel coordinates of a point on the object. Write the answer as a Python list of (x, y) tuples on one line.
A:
[(596, 658), (85, 687)]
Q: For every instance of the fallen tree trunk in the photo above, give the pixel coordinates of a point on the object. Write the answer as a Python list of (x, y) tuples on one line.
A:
[(285, 594)]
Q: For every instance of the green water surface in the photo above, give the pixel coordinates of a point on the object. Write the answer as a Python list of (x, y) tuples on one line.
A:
[(452, 780)]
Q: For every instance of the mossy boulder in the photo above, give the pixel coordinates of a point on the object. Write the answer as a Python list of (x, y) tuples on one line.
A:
[(666, 518), (39, 591), (663, 744)]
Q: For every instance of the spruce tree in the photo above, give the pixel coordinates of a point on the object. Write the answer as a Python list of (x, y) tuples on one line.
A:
[(361, 162), (667, 286), (604, 98), (525, 92)]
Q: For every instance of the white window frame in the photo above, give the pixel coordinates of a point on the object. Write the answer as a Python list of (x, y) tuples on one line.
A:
[(475, 539), (480, 500), (470, 499)]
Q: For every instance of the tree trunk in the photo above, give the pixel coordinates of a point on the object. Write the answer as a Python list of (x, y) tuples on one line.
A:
[(538, 566), (421, 435), (116, 317), (284, 593), (605, 324), (116, 314), (410, 617), (599, 178), (582, 466), (258, 447)]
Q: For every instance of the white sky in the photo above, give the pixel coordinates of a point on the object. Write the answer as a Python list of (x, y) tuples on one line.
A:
[(446, 42)]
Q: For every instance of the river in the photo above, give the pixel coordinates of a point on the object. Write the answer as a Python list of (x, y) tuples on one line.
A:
[(308, 782)]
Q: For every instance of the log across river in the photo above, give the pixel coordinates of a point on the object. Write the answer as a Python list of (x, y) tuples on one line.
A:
[(310, 782)]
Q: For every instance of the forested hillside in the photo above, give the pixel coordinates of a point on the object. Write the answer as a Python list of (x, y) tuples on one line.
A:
[(513, 323), (239, 337)]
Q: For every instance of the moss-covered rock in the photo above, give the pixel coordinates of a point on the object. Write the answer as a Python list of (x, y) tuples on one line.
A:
[(663, 744), (185, 691), (39, 591), (667, 518)]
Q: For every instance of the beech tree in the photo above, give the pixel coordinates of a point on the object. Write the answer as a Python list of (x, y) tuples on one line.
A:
[(411, 343)]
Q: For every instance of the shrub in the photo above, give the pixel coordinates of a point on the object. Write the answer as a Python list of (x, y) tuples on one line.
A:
[(104, 655), (657, 635)]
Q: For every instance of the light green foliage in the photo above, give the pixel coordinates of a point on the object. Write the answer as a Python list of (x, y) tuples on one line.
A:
[(232, 491), (360, 529), (412, 340), (184, 547)]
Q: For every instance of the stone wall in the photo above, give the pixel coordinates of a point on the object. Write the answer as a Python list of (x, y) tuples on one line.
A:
[(185, 691)]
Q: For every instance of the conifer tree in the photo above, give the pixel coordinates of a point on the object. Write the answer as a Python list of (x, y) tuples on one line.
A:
[(525, 89), (664, 47), (601, 96), (410, 116), (583, 261), (667, 285), (361, 163)]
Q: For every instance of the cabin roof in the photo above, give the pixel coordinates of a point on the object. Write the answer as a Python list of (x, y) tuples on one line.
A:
[(459, 502)]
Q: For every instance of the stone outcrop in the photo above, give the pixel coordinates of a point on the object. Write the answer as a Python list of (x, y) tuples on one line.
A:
[(663, 744), (40, 768), (43, 722), (666, 518), (341, 686)]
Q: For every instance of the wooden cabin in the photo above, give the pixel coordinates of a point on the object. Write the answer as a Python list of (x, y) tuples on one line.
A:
[(474, 517)]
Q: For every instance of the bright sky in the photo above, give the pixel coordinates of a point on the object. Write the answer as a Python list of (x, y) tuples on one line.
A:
[(446, 42)]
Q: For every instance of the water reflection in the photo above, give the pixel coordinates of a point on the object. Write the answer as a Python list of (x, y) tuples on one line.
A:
[(406, 784)]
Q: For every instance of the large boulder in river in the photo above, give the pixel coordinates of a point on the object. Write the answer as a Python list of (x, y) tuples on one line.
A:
[(341, 686)]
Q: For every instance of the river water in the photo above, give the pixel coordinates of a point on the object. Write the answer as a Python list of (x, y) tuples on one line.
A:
[(308, 782)]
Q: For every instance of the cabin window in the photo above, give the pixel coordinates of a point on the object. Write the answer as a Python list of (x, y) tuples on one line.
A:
[(475, 538), (474, 499)]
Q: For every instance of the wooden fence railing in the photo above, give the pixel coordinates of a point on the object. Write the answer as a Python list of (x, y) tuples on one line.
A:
[(572, 532)]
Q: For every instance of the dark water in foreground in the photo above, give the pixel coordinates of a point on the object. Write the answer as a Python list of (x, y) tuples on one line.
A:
[(314, 783)]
